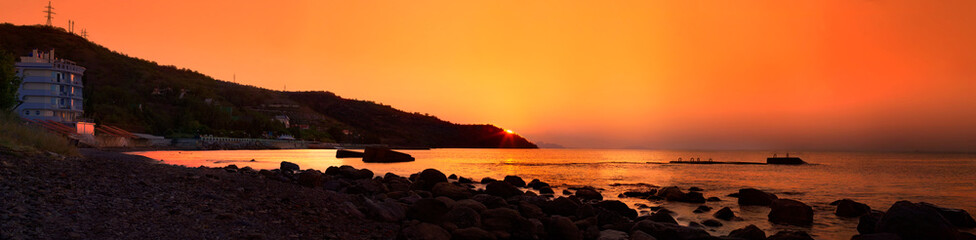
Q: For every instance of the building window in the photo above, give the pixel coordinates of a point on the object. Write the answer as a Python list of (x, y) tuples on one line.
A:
[(27, 112), (37, 113)]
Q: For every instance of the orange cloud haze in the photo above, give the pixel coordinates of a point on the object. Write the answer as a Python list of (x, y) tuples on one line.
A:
[(870, 75)]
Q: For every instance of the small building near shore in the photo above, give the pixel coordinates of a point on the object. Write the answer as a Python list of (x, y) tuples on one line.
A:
[(51, 88)]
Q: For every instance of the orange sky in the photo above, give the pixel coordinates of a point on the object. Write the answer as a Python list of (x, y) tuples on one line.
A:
[(823, 74)]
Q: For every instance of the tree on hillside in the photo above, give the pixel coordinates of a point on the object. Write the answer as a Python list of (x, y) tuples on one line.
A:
[(9, 82)]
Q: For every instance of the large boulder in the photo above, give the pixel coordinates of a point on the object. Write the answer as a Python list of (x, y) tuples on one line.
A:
[(611, 234), (560, 227), (427, 210), (530, 210), (669, 231), (692, 197), (589, 194), (662, 217), (868, 223), (515, 180), (311, 178), (288, 167), (562, 206), (388, 210), (750, 232), (472, 233), (617, 207), (463, 217), (472, 204), (913, 221), (640, 235), (790, 212), (428, 178), (385, 155), (536, 184), (490, 201), (424, 231), (450, 190), (958, 217), (790, 235), (752, 196), (502, 189), (876, 236), (670, 193), (507, 220), (342, 153), (724, 214), (850, 208)]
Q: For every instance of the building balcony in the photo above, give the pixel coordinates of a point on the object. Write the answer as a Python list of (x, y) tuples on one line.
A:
[(51, 80), (48, 106)]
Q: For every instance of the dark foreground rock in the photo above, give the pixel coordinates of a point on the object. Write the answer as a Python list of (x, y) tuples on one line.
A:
[(958, 217), (790, 235), (750, 232), (791, 212), (385, 155), (850, 208), (724, 214), (912, 221), (342, 153), (752, 196), (669, 231)]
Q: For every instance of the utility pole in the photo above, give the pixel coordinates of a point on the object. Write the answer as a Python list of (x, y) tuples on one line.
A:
[(84, 33), (50, 13), (71, 26)]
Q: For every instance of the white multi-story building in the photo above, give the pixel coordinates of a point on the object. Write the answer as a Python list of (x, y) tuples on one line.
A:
[(51, 88)]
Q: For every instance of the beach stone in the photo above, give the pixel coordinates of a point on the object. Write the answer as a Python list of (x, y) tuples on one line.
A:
[(546, 190), (712, 223), (641, 235), (589, 194), (530, 210), (452, 176), (427, 210), (464, 180), (487, 180), (562, 206), (472, 233), (310, 178), (384, 155), (289, 167), (669, 231), (790, 235), (515, 181), (639, 194), (560, 227), (692, 197), (850, 208), (958, 217), (713, 199), (662, 217), (388, 210), (502, 189), (567, 192), (750, 232), (427, 178), (912, 221), (791, 212), (617, 207), (611, 234), (724, 214), (752, 196), (868, 223), (876, 236), (463, 217), (702, 209), (472, 204), (451, 191), (490, 201), (536, 184), (695, 189), (672, 193), (424, 231), (507, 220)]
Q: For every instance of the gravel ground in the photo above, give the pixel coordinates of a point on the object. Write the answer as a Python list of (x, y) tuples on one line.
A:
[(109, 195)]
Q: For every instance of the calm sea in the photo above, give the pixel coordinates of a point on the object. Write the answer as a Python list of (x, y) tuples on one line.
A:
[(877, 179)]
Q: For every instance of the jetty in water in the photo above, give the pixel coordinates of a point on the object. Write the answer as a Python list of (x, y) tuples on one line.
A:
[(774, 160)]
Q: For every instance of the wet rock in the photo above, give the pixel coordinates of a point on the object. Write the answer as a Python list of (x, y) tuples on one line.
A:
[(464, 180), (752, 196), (388, 210), (514, 180), (639, 194), (561, 206), (724, 214), (850, 208), (546, 190), (502, 189), (713, 199), (507, 220), (428, 178), (427, 210), (750, 232), (695, 189), (472, 233), (662, 217), (589, 194), (712, 223), (310, 178), (868, 223), (617, 207), (343, 153), (692, 197), (530, 210), (463, 217), (452, 176), (490, 201), (560, 227), (424, 231), (487, 180), (912, 221), (876, 236), (670, 193), (791, 212), (288, 167), (790, 235), (450, 190), (958, 217), (536, 184), (611, 234), (641, 235), (669, 231), (385, 155), (472, 204), (702, 209)]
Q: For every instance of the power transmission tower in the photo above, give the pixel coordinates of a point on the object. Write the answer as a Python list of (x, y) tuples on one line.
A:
[(50, 13), (71, 26), (84, 33)]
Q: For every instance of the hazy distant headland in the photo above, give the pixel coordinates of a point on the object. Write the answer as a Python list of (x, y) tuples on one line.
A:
[(142, 96)]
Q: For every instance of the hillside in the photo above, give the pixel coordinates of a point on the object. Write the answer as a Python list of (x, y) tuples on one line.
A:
[(142, 96)]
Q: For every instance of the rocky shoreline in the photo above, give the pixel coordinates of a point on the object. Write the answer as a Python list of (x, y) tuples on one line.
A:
[(112, 195)]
